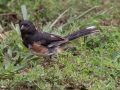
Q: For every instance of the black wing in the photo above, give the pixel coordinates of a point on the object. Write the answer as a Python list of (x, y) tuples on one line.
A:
[(47, 39)]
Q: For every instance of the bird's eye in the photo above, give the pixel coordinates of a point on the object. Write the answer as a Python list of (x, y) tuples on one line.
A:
[(26, 25)]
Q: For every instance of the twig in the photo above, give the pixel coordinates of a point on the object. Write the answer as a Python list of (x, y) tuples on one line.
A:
[(7, 14)]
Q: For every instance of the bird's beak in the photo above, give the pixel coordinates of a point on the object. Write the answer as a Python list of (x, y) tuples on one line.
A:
[(22, 27)]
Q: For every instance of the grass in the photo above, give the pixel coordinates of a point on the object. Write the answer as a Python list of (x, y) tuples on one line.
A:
[(89, 63)]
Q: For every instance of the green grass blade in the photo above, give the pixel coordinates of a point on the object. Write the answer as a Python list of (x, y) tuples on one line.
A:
[(24, 12), (58, 18), (80, 16), (86, 12)]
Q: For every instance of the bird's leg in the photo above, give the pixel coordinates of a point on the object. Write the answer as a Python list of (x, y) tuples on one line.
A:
[(47, 61), (50, 61)]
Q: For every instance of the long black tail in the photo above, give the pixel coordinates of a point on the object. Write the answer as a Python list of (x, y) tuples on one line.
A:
[(82, 32), (75, 35)]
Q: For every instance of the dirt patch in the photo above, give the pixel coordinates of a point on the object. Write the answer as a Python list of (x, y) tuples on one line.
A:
[(6, 20)]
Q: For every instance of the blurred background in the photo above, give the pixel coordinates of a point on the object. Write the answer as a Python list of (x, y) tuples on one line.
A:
[(89, 63), (41, 11)]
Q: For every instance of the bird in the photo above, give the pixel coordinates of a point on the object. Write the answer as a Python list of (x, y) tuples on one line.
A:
[(45, 44)]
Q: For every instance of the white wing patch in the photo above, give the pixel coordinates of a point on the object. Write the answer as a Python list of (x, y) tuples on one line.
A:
[(52, 36)]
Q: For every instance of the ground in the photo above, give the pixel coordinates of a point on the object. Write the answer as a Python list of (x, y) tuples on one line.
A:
[(88, 63)]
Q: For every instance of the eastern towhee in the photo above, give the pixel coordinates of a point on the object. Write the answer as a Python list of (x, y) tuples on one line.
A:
[(44, 44)]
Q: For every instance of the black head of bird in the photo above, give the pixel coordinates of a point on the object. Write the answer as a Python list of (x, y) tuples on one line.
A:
[(27, 27)]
